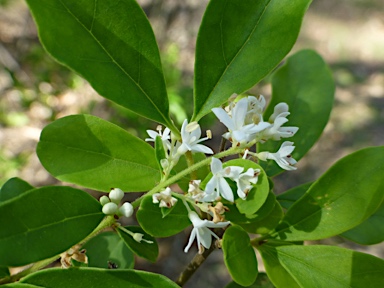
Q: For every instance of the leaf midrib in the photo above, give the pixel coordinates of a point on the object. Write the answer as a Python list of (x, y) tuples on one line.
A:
[(113, 59), (237, 54)]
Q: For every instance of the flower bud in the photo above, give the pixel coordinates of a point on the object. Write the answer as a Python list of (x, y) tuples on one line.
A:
[(126, 210), (104, 200), (116, 195), (110, 208)]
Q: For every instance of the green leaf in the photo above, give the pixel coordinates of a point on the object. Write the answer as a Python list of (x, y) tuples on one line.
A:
[(277, 273), (107, 248), (143, 249), (305, 83), (239, 43), (288, 198), (262, 281), (151, 219), (4, 272), (13, 188), (97, 278), (327, 266), (346, 195), (370, 232), (45, 222), (159, 151), (110, 44), (239, 256), (97, 154), (266, 224), (236, 217), (19, 285)]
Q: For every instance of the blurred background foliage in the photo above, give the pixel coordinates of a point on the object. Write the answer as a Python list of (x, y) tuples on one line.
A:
[(35, 90)]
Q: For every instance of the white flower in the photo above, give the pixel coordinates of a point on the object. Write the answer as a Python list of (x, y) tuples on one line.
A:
[(245, 180), (239, 131), (278, 118), (165, 198), (194, 191), (217, 185), (255, 109), (202, 232), (190, 135), (282, 157), (165, 137)]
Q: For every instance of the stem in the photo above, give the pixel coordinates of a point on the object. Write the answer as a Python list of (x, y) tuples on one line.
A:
[(158, 187), (190, 163), (107, 222), (194, 265)]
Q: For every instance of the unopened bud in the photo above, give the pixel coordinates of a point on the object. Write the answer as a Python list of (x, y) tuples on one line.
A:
[(104, 200), (110, 208), (116, 195), (126, 209)]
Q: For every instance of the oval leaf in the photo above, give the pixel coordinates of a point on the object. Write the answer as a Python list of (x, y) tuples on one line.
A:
[(97, 278), (110, 44), (45, 222), (107, 249), (370, 232), (327, 266), (305, 83), (13, 188), (239, 256), (97, 154), (152, 221), (239, 43), (279, 276), (143, 249), (354, 184), (288, 198)]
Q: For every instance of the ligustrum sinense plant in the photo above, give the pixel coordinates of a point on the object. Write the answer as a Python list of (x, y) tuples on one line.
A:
[(230, 204)]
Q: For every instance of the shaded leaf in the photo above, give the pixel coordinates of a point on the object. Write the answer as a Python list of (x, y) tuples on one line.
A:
[(239, 256), (108, 248), (97, 154), (288, 198), (13, 187), (370, 232), (45, 222), (305, 83), (354, 183), (239, 43), (262, 281), (151, 218), (97, 278), (110, 44)]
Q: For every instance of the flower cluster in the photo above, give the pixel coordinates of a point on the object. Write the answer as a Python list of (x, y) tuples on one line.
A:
[(164, 198), (111, 204), (190, 141)]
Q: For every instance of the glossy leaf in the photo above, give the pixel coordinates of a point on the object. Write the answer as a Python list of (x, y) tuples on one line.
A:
[(262, 281), (97, 278), (143, 249), (19, 285), (276, 272), (370, 232), (235, 216), (239, 43), (239, 256), (288, 198), (151, 219), (45, 222), (97, 154), (305, 83), (346, 195), (13, 188), (328, 266), (106, 249), (266, 224), (110, 44)]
